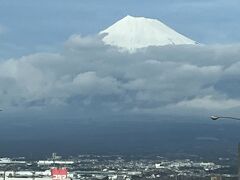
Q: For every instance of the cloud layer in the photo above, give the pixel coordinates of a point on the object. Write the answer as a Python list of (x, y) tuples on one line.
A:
[(94, 78)]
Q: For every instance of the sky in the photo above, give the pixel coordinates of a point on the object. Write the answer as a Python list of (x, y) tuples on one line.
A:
[(52, 61), (32, 26)]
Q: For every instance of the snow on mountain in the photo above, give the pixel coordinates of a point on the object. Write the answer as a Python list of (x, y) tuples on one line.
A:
[(132, 33)]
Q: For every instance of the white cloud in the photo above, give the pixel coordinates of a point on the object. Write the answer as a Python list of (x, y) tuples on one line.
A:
[(210, 103), (89, 83), (95, 77)]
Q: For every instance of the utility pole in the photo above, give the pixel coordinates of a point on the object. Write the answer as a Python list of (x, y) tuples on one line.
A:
[(215, 118), (4, 174), (33, 175), (238, 161)]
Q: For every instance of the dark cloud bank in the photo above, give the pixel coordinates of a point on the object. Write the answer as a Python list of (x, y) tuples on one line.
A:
[(97, 99), (92, 78)]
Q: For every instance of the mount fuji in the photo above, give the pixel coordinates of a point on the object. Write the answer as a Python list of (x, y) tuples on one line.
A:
[(131, 33)]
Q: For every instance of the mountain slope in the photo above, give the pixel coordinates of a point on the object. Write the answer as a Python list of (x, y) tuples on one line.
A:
[(132, 33)]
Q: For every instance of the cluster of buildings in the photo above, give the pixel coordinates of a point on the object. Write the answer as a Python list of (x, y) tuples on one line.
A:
[(99, 167)]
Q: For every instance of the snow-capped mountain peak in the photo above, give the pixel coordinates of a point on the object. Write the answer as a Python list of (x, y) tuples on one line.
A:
[(132, 33)]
